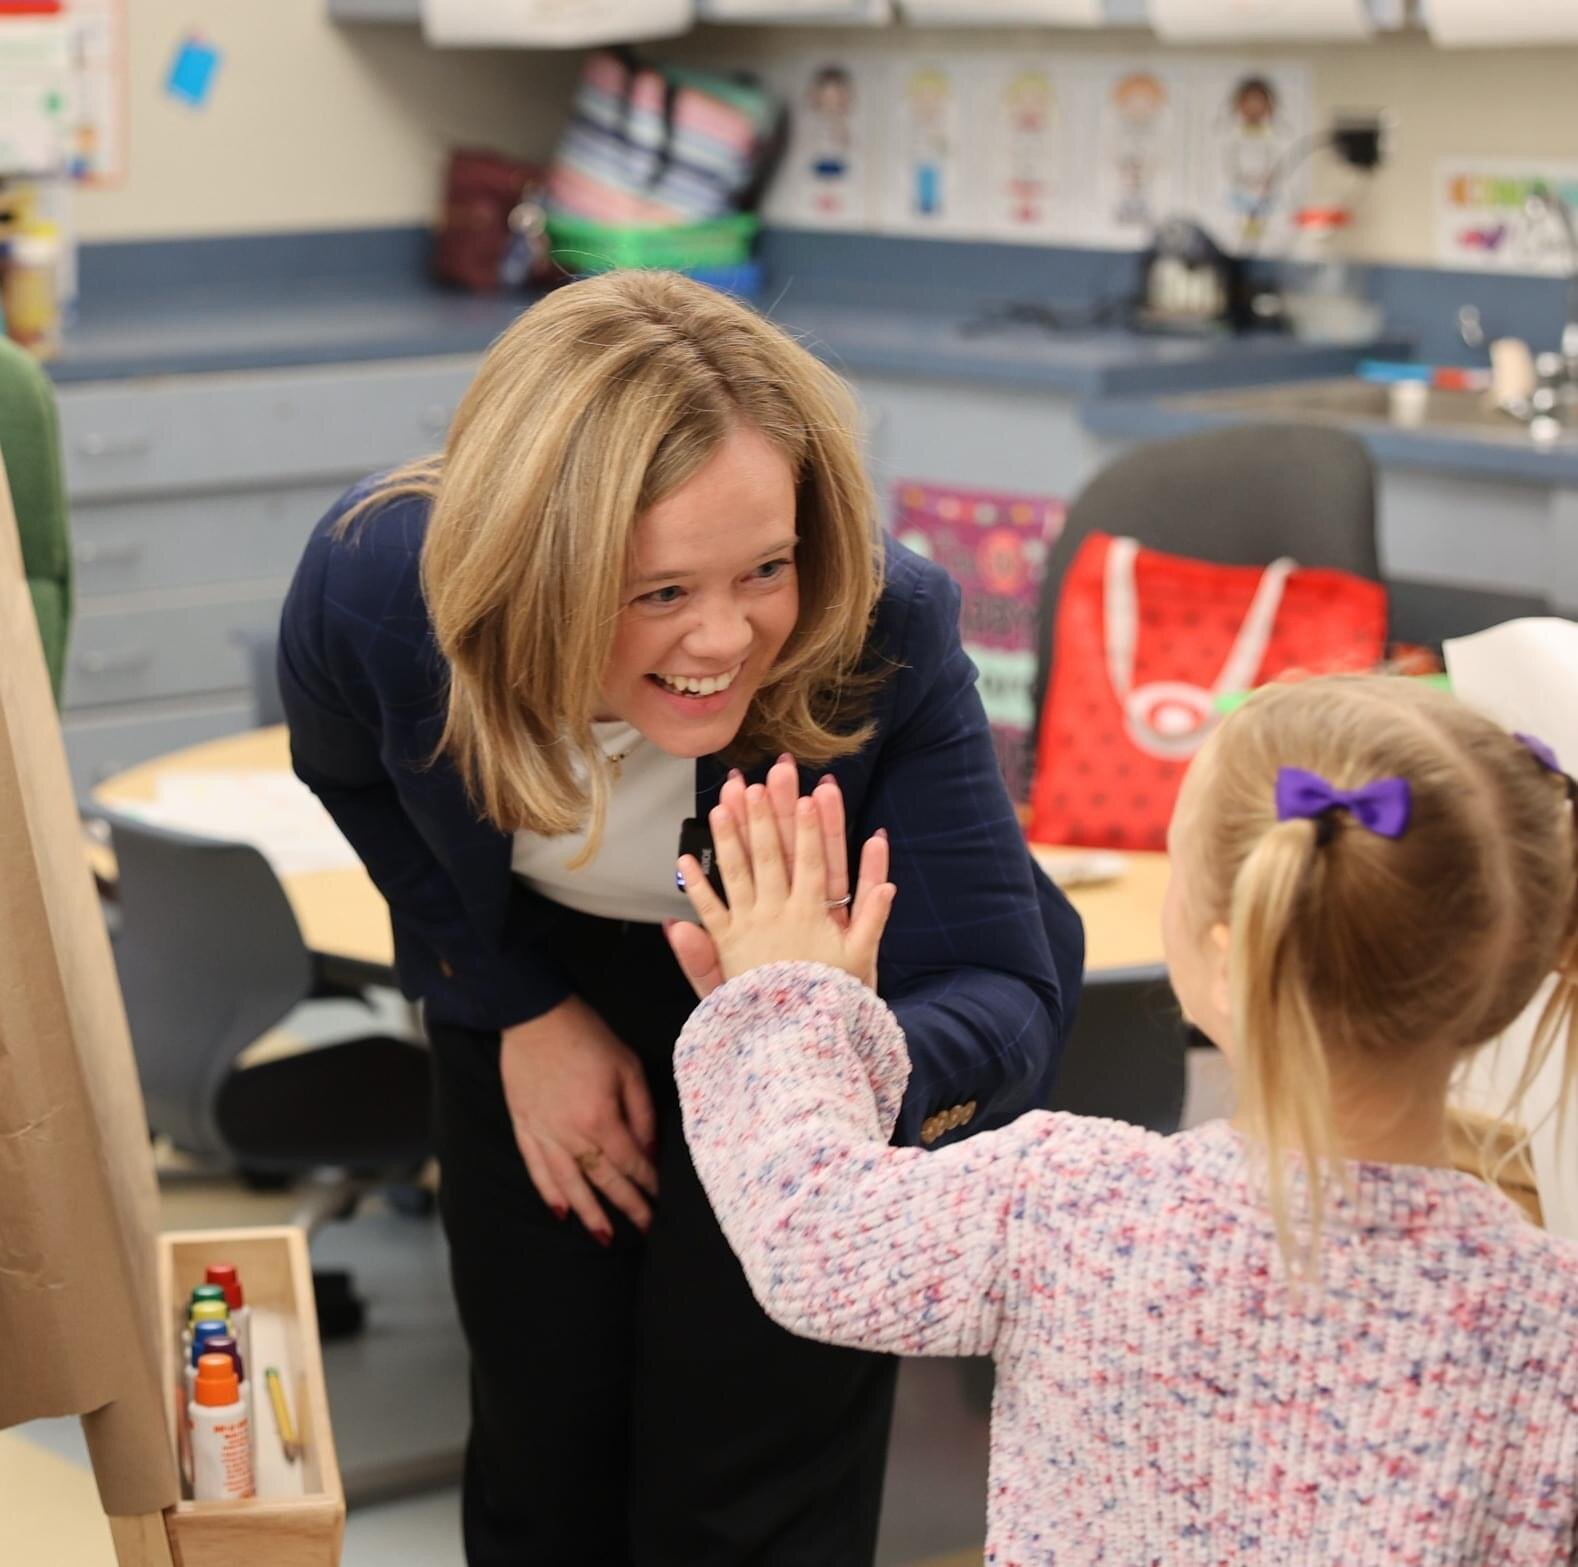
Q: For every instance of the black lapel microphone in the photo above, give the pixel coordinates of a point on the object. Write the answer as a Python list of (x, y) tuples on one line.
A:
[(695, 838)]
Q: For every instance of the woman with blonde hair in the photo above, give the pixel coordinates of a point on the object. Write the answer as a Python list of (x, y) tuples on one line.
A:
[(647, 558), (1303, 1337)]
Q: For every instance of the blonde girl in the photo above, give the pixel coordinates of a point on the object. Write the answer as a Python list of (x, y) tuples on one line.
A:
[(1302, 1338), (648, 555)]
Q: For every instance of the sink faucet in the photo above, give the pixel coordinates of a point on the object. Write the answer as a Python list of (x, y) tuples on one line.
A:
[(1544, 202)]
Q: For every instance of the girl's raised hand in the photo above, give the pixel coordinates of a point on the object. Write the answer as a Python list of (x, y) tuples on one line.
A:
[(775, 915)]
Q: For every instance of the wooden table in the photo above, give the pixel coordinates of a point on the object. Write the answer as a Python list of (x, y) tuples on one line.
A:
[(343, 917)]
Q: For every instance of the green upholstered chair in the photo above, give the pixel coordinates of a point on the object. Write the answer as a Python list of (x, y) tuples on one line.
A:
[(30, 443)]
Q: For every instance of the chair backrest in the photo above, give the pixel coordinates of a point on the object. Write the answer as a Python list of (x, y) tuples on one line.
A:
[(1239, 497), (30, 442), (210, 958), (268, 707)]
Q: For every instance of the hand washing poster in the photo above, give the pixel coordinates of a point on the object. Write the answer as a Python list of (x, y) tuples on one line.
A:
[(1483, 217), (1084, 150), (826, 179), (926, 187), (994, 546), (1250, 119), (1032, 112), (1141, 165)]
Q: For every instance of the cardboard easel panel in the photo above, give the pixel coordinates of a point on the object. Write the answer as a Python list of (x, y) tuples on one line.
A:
[(78, 1202), (88, 1305)]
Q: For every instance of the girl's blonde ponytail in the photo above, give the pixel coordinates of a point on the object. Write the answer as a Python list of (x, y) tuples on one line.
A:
[(1284, 1080), (1365, 960)]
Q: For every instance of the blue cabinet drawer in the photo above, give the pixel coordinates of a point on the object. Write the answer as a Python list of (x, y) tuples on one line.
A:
[(99, 745), (179, 433), (166, 645), (189, 540)]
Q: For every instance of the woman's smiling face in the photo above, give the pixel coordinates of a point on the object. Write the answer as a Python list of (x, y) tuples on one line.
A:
[(711, 599)]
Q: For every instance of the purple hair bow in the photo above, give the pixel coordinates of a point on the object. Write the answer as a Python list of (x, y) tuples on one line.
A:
[(1546, 757), (1382, 807)]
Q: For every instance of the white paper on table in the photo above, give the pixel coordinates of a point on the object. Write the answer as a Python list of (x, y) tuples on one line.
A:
[(552, 24), (1465, 23), (1240, 19), (275, 812), (1004, 13), (1525, 675)]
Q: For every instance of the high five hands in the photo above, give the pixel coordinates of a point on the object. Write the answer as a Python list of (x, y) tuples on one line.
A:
[(783, 863)]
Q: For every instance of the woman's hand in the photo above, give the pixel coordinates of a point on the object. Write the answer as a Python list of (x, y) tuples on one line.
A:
[(770, 919), (582, 1115)]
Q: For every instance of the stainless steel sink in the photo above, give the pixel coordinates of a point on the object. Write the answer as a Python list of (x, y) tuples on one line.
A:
[(1355, 402)]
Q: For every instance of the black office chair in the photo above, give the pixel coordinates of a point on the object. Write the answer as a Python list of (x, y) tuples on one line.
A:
[(261, 649), (210, 959), (1239, 497)]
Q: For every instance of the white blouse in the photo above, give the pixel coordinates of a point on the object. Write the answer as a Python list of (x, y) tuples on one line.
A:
[(631, 877)]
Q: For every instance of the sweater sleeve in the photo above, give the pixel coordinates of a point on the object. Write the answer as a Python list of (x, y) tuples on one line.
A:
[(790, 1079)]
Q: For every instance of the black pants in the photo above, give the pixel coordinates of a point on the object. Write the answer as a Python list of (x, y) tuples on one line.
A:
[(633, 1406)]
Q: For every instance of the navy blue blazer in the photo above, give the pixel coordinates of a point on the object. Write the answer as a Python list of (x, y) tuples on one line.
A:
[(982, 957)]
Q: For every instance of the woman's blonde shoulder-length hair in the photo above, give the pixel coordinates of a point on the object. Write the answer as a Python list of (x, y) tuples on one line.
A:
[(599, 401)]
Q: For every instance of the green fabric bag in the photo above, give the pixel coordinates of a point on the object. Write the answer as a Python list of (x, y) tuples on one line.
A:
[(30, 444)]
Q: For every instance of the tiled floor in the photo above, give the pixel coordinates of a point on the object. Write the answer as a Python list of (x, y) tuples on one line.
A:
[(397, 1398)]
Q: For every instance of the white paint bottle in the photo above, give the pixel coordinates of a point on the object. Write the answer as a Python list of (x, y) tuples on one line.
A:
[(221, 1433)]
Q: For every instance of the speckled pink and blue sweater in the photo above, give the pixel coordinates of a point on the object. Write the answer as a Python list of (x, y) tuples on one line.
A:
[(1162, 1396)]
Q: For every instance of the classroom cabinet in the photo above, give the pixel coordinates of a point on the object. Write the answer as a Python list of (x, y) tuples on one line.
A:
[(191, 497), (1511, 539)]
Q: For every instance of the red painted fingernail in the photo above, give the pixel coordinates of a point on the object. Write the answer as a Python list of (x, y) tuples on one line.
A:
[(881, 833), (784, 756), (734, 773), (603, 1237), (560, 1212)]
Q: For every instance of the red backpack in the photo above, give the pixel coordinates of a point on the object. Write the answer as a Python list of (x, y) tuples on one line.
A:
[(1144, 644)]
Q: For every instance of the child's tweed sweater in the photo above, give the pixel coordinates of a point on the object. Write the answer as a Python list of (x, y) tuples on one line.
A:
[(1162, 1396)]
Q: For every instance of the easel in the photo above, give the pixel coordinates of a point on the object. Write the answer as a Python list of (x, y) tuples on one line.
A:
[(88, 1291)]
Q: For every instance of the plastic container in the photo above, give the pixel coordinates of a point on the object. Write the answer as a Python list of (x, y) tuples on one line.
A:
[(32, 290), (221, 1434), (1331, 307), (579, 246)]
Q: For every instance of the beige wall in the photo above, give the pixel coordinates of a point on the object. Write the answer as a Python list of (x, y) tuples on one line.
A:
[(1447, 103), (313, 125), (309, 125)]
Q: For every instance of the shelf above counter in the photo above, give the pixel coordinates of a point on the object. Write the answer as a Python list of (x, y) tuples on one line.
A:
[(1389, 15)]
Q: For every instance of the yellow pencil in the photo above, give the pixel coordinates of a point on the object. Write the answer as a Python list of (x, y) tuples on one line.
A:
[(287, 1432)]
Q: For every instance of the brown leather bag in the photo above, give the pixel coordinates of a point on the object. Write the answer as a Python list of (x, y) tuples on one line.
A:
[(491, 235)]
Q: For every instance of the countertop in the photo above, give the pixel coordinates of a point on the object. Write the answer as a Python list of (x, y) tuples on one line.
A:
[(264, 324), (1507, 455)]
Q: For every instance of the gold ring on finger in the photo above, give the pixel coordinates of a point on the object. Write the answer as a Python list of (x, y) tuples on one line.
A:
[(589, 1159)]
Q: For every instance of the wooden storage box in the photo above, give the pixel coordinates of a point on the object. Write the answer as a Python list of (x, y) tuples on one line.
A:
[(297, 1518)]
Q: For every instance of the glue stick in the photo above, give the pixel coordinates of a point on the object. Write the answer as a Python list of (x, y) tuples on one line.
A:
[(221, 1436)]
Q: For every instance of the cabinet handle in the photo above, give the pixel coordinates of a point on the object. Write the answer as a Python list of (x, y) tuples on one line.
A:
[(96, 444), (117, 554), (107, 663)]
